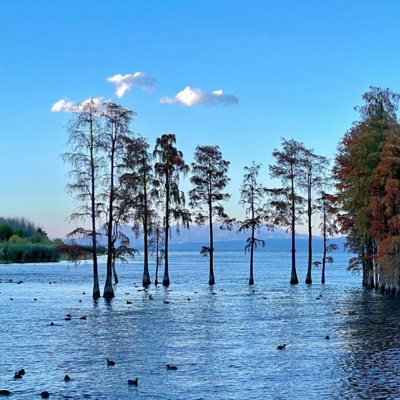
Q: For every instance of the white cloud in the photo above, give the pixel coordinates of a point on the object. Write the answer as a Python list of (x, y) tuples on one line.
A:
[(65, 105), (124, 83), (192, 97)]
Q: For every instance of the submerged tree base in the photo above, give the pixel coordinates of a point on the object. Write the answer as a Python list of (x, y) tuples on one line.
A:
[(165, 281)]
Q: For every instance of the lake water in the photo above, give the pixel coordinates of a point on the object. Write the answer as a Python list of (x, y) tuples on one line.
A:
[(224, 344)]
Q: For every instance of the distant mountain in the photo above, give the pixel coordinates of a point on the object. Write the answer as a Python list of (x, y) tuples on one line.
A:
[(197, 236)]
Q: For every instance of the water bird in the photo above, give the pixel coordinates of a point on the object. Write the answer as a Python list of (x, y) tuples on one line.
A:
[(133, 381), (166, 302), (327, 337), (52, 323), (66, 378), (281, 347), (213, 293), (45, 394), (80, 300), (4, 392), (68, 317), (128, 302), (196, 292), (110, 362), (84, 317), (17, 376), (83, 292), (264, 297), (126, 292), (21, 372), (169, 366), (11, 298), (188, 298), (34, 299)]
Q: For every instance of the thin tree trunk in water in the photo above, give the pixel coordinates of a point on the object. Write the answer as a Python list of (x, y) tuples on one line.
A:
[(308, 277), (370, 264), (251, 279), (364, 268), (157, 262), (96, 286), (146, 274), (323, 262), (108, 287), (325, 238), (293, 276), (114, 270), (166, 276), (211, 280)]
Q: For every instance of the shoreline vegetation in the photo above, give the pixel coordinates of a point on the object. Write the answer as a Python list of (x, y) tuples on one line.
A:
[(22, 242)]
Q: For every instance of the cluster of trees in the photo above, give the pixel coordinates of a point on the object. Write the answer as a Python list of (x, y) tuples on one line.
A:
[(117, 180), (367, 171)]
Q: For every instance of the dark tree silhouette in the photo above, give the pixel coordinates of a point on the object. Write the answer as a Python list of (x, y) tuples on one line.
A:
[(328, 227), (286, 203), (168, 168), (209, 178), (140, 192), (252, 196), (113, 139), (84, 129), (311, 180), (157, 245)]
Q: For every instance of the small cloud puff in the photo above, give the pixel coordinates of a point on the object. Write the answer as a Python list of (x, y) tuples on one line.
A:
[(124, 83), (192, 97), (65, 105)]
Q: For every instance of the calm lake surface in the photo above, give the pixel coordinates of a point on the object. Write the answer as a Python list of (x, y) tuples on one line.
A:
[(224, 344)]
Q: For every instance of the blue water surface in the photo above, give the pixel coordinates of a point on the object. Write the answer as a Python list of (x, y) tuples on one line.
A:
[(223, 340)]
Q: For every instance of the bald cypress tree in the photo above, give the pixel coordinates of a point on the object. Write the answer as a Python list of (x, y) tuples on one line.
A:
[(286, 202), (85, 159), (113, 140), (252, 196), (168, 168), (209, 178)]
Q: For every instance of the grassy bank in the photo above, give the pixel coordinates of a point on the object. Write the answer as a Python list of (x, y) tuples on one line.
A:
[(27, 253)]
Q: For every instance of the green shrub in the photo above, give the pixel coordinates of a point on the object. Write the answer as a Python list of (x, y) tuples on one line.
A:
[(38, 238), (16, 239)]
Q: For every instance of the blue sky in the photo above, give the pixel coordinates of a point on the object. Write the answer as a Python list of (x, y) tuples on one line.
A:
[(297, 69)]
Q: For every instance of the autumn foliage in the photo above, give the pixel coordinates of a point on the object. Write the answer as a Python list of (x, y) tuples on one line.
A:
[(367, 172)]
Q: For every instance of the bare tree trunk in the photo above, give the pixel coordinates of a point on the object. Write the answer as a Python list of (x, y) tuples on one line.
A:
[(251, 279), (166, 275), (146, 274), (309, 267), (96, 286), (293, 277), (211, 280), (114, 270), (108, 287)]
